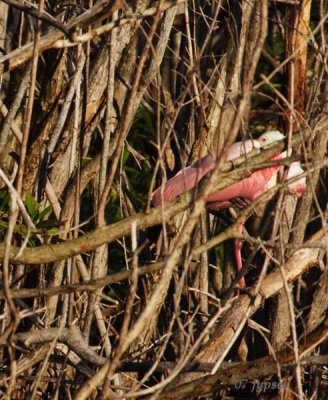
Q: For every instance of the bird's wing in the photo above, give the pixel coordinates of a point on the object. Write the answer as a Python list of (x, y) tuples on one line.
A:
[(183, 181), (187, 178)]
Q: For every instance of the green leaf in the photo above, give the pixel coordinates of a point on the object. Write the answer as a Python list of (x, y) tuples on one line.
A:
[(44, 212), (31, 206), (53, 231)]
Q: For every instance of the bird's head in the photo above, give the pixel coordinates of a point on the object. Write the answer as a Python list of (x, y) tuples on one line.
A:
[(270, 137)]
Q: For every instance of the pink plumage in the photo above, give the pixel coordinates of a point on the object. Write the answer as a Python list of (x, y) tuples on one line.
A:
[(249, 188)]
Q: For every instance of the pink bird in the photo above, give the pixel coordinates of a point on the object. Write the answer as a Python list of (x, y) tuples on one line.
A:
[(249, 188)]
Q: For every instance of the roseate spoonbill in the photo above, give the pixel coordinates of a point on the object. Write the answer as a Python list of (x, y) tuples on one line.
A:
[(249, 188), (187, 178)]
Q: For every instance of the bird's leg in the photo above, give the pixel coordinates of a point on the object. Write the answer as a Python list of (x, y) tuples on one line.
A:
[(239, 204), (238, 256)]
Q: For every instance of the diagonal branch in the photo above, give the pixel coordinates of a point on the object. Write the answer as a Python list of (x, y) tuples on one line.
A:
[(109, 233)]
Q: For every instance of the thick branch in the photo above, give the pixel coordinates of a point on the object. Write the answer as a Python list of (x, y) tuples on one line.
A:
[(107, 234), (229, 327), (239, 373)]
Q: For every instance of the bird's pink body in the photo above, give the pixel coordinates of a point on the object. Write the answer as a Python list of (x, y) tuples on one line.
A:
[(187, 178), (248, 188)]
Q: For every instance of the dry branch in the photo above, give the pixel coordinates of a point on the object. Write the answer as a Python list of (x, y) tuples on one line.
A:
[(107, 234), (121, 96)]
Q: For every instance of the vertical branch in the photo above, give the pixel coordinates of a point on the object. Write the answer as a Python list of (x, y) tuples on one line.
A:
[(204, 272), (128, 114), (20, 173), (302, 30), (297, 29), (14, 209), (192, 65), (11, 114), (100, 256), (77, 124)]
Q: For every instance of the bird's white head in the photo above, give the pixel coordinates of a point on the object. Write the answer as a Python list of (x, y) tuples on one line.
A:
[(270, 137)]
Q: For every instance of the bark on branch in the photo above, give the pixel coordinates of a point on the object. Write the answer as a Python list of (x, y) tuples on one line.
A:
[(107, 234)]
